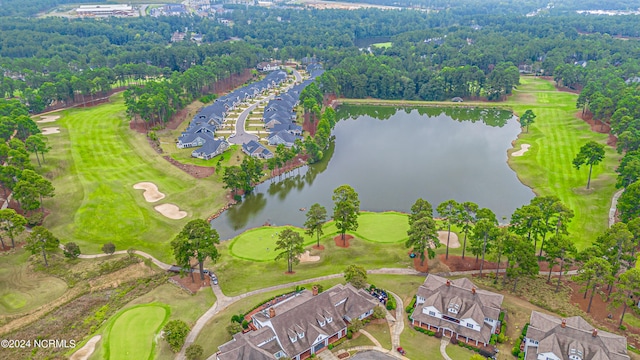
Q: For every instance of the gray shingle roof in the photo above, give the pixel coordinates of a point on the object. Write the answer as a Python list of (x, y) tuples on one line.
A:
[(577, 334)]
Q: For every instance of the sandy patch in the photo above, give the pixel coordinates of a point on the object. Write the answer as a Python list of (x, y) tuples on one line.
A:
[(50, 130), (306, 257), (523, 149), (453, 240), (87, 349), (48, 119), (171, 211), (151, 193)]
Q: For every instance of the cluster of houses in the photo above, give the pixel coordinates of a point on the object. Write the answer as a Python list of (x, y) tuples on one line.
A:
[(307, 323), (201, 131), (279, 115)]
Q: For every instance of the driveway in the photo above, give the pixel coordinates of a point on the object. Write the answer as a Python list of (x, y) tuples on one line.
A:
[(372, 355)]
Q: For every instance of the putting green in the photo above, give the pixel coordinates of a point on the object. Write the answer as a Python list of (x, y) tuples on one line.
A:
[(386, 227), (259, 244), (132, 334), (21, 290)]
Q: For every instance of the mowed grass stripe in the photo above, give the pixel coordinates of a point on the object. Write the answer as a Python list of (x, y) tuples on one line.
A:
[(558, 136), (95, 162)]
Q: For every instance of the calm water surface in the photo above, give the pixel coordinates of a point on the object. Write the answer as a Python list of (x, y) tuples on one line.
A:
[(391, 157)]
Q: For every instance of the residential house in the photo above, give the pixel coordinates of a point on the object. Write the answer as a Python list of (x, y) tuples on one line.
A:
[(255, 149), (211, 148), (457, 308), (283, 137), (549, 337), (300, 326), (268, 66), (178, 36)]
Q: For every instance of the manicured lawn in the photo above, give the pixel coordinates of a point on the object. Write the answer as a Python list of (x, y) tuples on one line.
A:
[(94, 163), (387, 227), (239, 275), (214, 332), (632, 320), (381, 333), (259, 244), (361, 340), (556, 137), (419, 345), (382, 45), (458, 352), (22, 290), (132, 332)]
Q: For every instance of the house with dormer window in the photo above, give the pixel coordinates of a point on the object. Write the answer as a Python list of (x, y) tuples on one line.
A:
[(573, 338), (457, 308), (300, 326)]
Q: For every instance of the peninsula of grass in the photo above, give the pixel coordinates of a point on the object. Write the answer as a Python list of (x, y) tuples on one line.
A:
[(555, 139), (132, 332), (22, 290), (94, 163)]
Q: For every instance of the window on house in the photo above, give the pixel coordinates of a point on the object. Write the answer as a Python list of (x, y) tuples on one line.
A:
[(470, 325), (432, 313), (329, 319)]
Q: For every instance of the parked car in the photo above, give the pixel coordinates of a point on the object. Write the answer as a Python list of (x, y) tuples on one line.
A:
[(401, 351)]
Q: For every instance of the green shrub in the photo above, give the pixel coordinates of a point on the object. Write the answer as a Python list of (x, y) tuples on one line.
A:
[(515, 351), (493, 339), (245, 324), (501, 338), (175, 332), (391, 303), (501, 316), (378, 312), (237, 318), (194, 352), (349, 334)]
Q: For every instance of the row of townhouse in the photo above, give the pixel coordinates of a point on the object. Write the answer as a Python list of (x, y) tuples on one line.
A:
[(279, 115), (457, 308), (201, 131)]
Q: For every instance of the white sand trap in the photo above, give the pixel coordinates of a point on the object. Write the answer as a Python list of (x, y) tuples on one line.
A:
[(306, 257), (48, 119), (50, 130), (85, 352), (453, 240), (523, 149), (151, 193), (171, 211)]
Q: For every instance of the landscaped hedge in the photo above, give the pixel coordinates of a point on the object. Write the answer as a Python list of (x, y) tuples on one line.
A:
[(467, 346), (411, 306), (516, 348), (425, 331)]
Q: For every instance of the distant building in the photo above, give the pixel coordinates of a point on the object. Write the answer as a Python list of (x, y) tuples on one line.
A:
[(105, 10), (178, 36), (549, 337)]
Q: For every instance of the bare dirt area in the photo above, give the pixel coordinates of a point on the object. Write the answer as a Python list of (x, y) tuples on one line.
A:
[(191, 285), (598, 126), (48, 119), (198, 172), (50, 130), (457, 263), (342, 243)]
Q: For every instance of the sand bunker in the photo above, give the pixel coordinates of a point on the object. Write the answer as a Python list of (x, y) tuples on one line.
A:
[(47, 119), (171, 211), (453, 240), (523, 149), (50, 130), (306, 257), (151, 193), (85, 352)]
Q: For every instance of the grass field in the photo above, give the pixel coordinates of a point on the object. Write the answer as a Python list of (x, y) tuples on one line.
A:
[(259, 244), (133, 331), (22, 290), (95, 201), (383, 45), (556, 137), (387, 227)]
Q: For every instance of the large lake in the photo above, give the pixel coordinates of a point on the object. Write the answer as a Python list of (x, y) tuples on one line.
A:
[(391, 157)]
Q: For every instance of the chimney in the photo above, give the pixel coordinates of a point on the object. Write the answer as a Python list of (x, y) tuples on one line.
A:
[(473, 290), (594, 333), (272, 312), (314, 290), (564, 323), (448, 282)]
